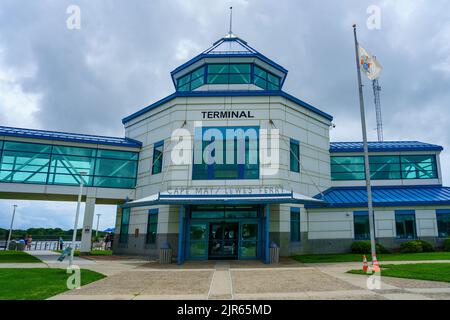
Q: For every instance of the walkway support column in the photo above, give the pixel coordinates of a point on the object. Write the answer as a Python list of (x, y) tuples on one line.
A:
[(88, 220), (266, 247), (180, 259)]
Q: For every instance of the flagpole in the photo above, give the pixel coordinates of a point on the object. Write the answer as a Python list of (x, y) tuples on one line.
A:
[(366, 151)]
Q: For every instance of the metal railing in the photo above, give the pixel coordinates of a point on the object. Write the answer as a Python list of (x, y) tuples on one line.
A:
[(46, 245)]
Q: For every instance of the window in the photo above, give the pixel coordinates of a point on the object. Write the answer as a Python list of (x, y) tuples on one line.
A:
[(295, 224), (419, 167), (124, 224), (295, 155), (226, 153), (347, 168), (192, 80), (361, 225), (221, 212), (265, 80), (229, 73), (443, 223), (61, 165), (158, 150), (384, 167), (405, 224), (152, 226)]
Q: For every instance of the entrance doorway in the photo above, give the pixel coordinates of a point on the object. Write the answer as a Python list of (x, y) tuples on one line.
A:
[(223, 240), (224, 233)]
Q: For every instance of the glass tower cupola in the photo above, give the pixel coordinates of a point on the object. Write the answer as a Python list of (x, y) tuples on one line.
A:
[(229, 65)]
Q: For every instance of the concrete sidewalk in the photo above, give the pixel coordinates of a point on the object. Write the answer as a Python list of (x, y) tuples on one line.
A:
[(140, 279), (224, 280)]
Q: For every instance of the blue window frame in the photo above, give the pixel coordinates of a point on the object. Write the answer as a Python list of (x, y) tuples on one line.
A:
[(295, 225), (23, 162), (443, 222), (294, 155), (235, 73), (384, 167), (405, 224), (157, 162), (361, 225), (228, 73), (265, 80), (152, 226), (124, 225), (222, 153), (192, 80)]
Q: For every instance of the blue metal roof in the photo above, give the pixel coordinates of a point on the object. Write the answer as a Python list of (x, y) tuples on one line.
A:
[(69, 137), (230, 46), (338, 197), (226, 94), (385, 146)]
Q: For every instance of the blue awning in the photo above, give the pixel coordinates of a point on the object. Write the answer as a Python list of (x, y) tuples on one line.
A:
[(339, 197)]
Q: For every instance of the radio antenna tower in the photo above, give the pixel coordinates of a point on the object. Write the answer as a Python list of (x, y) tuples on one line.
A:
[(376, 95)]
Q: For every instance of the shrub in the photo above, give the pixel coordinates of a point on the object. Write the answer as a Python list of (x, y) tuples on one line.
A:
[(426, 246), (416, 246), (447, 244), (411, 247), (363, 247), (382, 249)]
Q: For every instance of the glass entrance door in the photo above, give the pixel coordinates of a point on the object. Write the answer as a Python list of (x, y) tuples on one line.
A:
[(223, 240)]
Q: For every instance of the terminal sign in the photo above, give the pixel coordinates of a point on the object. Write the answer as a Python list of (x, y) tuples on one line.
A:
[(228, 114)]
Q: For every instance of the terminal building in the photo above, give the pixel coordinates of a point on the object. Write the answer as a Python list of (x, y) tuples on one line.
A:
[(311, 198)]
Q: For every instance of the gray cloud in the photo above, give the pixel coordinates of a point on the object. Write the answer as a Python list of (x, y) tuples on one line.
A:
[(87, 80)]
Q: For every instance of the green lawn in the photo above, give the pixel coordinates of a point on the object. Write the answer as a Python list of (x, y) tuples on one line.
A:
[(352, 257), (17, 257), (420, 271), (92, 253), (38, 283)]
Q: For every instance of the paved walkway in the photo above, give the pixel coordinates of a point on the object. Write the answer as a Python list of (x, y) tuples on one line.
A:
[(138, 278), (252, 280)]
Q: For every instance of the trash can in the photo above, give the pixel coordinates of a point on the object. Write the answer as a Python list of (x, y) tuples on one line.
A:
[(20, 246), (165, 254), (12, 245), (274, 253)]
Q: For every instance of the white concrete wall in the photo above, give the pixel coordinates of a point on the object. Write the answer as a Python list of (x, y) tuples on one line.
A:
[(338, 223), (293, 121)]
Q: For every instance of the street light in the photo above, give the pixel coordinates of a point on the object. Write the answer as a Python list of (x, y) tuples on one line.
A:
[(11, 227), (74, 236), (98, 220)]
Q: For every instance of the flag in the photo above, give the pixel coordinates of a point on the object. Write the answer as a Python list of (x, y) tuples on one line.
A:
[(371, 67)]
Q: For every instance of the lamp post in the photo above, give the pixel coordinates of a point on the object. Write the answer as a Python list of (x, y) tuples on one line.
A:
[(11, 227), (98, 220), (74, 236)]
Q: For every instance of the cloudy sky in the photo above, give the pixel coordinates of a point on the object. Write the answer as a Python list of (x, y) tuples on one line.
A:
[(86, 80)]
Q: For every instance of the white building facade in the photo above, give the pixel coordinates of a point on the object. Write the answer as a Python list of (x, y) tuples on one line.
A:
[(228, 166), (220, 211)]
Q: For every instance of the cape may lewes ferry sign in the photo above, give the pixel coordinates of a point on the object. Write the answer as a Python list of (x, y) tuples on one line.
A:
[(227, 114), (227, 190)]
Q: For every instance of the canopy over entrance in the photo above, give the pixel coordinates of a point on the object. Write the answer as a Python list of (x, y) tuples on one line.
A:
[(225, 196)]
